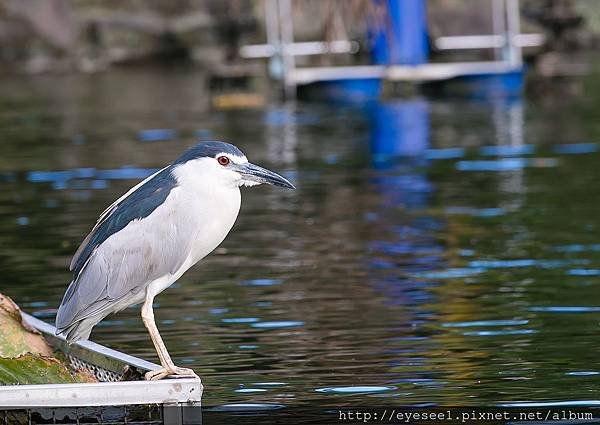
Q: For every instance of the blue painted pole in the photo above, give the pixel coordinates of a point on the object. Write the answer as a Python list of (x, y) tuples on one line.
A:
[(399, 32)]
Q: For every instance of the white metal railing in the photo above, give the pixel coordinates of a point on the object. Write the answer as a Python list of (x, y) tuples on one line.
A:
[(305, 48), (493, 41), (506, 41)]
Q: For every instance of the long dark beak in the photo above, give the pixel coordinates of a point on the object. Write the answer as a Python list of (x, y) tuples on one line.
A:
[(259, 175)]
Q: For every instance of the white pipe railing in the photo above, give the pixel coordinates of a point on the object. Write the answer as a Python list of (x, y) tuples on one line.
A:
[(466, 42), (306, 48)]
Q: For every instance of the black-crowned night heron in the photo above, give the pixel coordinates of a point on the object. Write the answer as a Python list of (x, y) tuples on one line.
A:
[(150, 236)]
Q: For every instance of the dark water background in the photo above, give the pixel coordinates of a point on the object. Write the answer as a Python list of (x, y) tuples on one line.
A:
[(464, 272)]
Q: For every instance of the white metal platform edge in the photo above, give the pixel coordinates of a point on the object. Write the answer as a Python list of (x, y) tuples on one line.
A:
[(175, 391), (416, 73)]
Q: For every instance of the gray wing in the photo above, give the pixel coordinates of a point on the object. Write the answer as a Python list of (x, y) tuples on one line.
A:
[(126, 261)]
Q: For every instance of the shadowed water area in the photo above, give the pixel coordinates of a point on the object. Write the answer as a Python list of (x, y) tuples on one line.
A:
[(442, 251)]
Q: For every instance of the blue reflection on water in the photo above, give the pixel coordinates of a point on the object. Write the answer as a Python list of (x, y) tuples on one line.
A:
[(475, 212), (281, 324), (278, 116), (261, 282), (157, 135), (235, 407), (554, 404), (240, 320), (577, 248), (495, 264), (399, 128), (88, 178), (503, 332), (452, 273), (444, 153), (485, 323), (563, 309), (575, 148), (507, 150), (354, 390), (584, 272), (506, 164)]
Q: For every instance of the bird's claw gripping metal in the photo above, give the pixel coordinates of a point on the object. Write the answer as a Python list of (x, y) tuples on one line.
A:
[(172, 372)]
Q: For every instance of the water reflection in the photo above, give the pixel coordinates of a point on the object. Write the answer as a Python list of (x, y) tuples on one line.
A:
[(435, 251)]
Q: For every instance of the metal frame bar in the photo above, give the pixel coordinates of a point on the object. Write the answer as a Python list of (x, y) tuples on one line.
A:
[(173, 391), (306, 48), (89, 351), (492, 41), (287, 39), (167, 392), (415, 73), (513, 28), (507, 42)]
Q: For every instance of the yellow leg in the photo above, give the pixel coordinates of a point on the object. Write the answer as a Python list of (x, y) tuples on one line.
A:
[(168, 367)]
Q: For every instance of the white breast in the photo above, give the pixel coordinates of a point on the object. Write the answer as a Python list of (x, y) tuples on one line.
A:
[(213, 208)]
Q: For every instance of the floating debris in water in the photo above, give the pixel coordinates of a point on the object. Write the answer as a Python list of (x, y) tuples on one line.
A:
[(157, 135), (582, 373), (218, 310), (247, 347), (575, 148), (250, 390)]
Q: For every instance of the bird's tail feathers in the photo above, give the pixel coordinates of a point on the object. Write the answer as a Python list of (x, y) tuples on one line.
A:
[(77, 331)]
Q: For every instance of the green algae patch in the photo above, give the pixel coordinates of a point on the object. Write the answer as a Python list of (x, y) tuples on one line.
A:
[(37, 369), (26, 357)]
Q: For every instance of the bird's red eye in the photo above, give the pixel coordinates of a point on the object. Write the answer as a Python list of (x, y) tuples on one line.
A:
[(223, 160)]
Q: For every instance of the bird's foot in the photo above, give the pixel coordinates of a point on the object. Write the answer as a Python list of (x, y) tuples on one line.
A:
[(172, 371)]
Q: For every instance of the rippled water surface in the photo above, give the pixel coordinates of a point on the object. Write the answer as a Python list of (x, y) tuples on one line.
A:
[(443, 252)]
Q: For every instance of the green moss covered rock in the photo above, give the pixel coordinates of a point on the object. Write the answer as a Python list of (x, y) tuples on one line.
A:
[(26, 357)]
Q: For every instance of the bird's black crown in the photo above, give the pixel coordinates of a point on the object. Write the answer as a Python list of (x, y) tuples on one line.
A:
[(208, 150)]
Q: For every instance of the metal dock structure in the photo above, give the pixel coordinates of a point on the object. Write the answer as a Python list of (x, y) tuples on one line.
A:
[(399, 52), (121, 395)]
